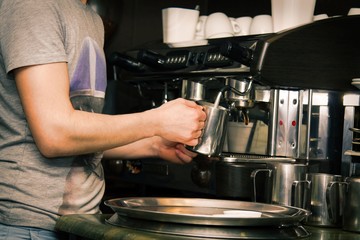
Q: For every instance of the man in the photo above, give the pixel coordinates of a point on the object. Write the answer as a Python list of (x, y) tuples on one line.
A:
[(52, 135)]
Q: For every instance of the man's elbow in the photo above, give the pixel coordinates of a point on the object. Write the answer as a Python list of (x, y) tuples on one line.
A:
[(52, 145)]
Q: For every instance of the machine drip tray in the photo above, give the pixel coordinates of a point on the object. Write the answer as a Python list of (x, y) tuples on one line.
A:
[(235, 157)]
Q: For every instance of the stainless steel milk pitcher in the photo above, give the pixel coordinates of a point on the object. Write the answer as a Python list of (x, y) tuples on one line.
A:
[(213, 136), (287, 184), (326, 199), (351, 217)]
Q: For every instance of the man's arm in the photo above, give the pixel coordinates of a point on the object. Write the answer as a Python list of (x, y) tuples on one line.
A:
[(60, 130), (152, 147)]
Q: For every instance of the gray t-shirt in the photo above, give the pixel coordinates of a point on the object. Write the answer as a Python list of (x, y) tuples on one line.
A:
[(34, 190)]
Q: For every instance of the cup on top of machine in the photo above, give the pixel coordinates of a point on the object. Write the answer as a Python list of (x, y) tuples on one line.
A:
[(261, 24), (244, 25), (218, 25), (291, 13), (179, 24)]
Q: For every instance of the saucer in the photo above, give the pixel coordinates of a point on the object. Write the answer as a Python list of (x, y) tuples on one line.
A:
[(356, 84), (221, 35), (188, 43)]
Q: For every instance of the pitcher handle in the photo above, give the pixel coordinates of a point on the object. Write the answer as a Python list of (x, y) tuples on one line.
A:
[(305, 198), (335, 211), (253, 177), (330, 205)]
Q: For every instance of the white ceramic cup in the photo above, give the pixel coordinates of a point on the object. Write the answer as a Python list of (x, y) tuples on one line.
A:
[(354, 11), (179, 24), (291, 13), (200, 28), (218, 25), (244, 25), (261, 24), (320, 17)]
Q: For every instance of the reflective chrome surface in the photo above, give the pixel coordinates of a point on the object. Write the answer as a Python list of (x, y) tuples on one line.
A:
[(288, 184), (326, 199), (351, 217), (210, 232), (213, 135), (349, 167), (192, 90), (199, 211)]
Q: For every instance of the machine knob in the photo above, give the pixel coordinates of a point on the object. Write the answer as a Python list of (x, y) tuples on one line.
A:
[(126, 62), (237, 53), (151, 59), (201, 173)]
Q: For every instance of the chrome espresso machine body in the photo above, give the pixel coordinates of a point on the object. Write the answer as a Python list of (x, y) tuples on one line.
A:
[(287, 106)]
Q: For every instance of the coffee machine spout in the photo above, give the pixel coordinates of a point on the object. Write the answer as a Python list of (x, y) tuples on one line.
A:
[(239, 92)]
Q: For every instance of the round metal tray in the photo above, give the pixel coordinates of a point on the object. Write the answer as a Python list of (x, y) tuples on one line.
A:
[(208, 232), (201, 211)]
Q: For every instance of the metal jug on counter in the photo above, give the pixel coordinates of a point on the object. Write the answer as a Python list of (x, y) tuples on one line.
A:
[(351, 217), (326, 199), (287, 184)]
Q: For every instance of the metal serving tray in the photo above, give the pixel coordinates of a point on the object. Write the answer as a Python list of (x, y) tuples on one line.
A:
[(170, 230), (201, 211)]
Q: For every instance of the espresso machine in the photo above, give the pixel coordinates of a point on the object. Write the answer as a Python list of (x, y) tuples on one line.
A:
[(284, 93)]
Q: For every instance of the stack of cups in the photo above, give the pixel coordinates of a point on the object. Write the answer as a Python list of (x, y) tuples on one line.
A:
[(181, 25)]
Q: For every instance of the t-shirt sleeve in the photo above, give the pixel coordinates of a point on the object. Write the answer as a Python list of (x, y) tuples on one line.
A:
[(31, 34)]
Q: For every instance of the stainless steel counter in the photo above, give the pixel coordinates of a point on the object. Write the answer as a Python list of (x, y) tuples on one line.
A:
[(94, 227)]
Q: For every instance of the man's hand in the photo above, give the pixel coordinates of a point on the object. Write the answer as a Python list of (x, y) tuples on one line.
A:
[(173, 152), (179, 121)]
